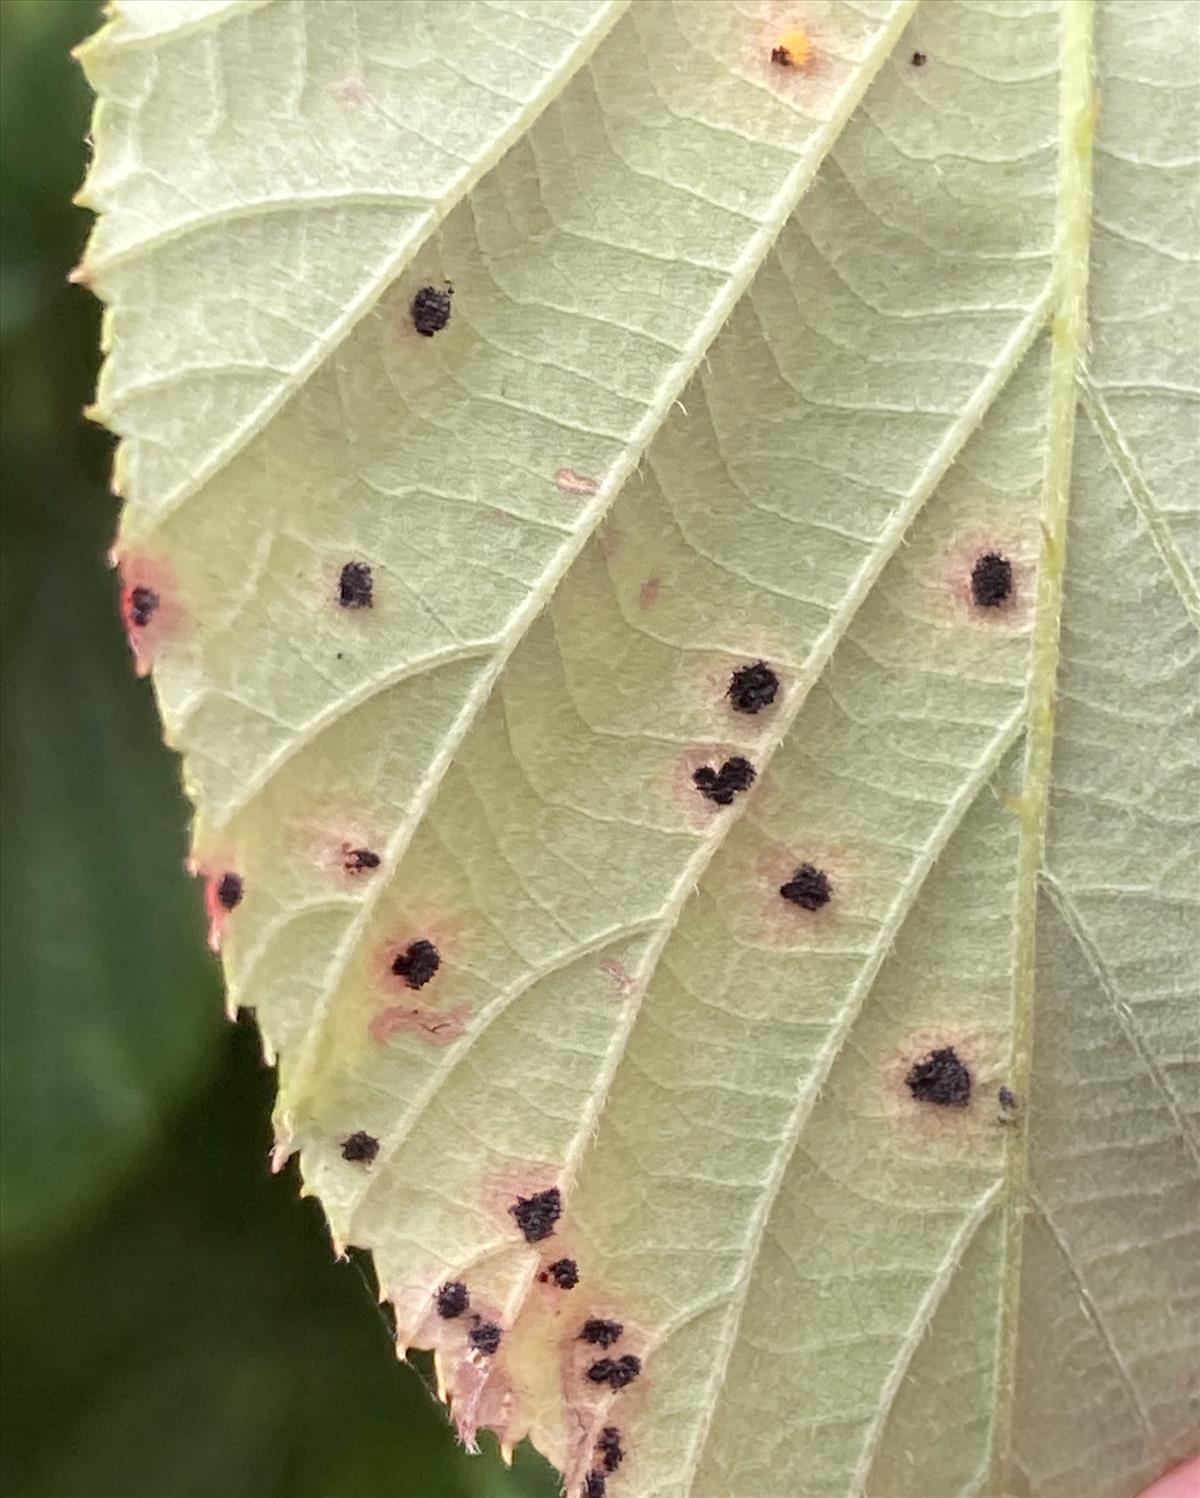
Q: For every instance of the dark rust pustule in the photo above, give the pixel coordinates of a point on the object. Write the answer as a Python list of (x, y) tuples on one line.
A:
[(941, 1079)]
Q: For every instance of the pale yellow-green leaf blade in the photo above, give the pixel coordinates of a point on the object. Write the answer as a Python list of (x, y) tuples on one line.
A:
[(833, 1288), (763, 518), (264, 171)]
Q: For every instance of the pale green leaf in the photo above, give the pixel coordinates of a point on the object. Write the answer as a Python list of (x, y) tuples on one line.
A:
[(745, 363)]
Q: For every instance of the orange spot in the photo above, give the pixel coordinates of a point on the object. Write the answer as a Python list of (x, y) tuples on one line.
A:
[(793, 48), (649, 592)]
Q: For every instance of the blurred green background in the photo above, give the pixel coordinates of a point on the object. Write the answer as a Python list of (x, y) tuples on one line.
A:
[(173, 1322)]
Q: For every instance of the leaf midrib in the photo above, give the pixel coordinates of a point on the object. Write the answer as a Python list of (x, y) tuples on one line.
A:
[(1069, 345)]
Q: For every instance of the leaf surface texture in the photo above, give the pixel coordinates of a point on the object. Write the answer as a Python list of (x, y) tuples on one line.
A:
[(744, 363)]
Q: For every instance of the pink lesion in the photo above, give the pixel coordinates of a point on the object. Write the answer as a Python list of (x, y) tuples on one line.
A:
[(437, 1027), (150, 608), (774, 921), (479, 1387), (329, 837), (212, 868), (588, 1407), (352, 91), (503, 1187), (535, 1384), (950, 595), (482, 1396), (625, 984), (917, 1126), (698, 812), (218, 916), (567, 481), (417, 1011), (649, 592), (418, 925), (712, 685)]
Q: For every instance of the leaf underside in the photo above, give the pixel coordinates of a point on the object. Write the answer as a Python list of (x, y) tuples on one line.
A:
[(745, 363)]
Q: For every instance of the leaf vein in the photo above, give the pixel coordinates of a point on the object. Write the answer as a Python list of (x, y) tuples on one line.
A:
[(1074, 923), (1126, 466)]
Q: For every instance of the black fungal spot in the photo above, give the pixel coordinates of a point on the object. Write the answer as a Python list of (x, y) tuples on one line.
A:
[(417, 963), (452, 1300), (941, 1079), (991, 580), (918, 59), (143, 605), (229, 891), (431, 310), (793, 49), (751, 688), (361, 1148), (809, 887), (536, 1215), (615, 1372), (485, 1337), (594, 1485), (356, 588), (360, 860), (564, 1273), (609, 1447), (600, 1331), (1006, 1099), (722, 785)]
